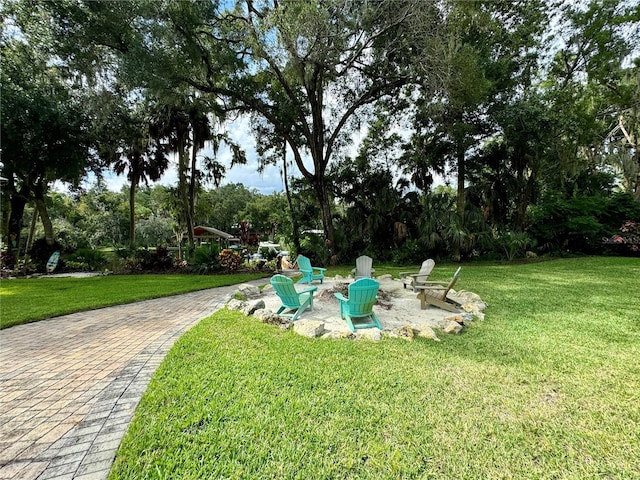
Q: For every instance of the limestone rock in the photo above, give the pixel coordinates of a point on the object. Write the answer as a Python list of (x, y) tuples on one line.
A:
[(468, 296), (427, 332), (405, 331), (309, 328), (251, 307), (455, 318), (372, 334), (249, 291), (235, 304), (452, 327), (338, 335), (262, 313), (267, 316)]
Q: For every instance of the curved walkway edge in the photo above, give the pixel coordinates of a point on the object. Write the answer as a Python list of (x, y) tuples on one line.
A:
[(69, 385)]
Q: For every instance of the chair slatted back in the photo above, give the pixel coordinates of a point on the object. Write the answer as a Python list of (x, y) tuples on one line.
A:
[(286, 291), (451, 283), (304, 264), (362, 296), (425, 269), (364, 265)]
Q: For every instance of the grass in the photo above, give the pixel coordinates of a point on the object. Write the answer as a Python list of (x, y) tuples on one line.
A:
[(33, 299), (29, 300), (548, 386)]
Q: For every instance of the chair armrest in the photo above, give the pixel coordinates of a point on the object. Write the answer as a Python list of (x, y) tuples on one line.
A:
[(340, 297), (309, 290), (430, 287), (434, 282), (320, 269), (416, 275), (405, 274)]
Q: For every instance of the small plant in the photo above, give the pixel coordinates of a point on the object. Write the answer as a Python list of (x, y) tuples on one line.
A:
[(230, 260), (240, 297)]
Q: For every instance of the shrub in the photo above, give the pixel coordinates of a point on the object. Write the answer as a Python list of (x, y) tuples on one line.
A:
[(86, 259), (205, 259), (7, 261), (41, 251), (628, 238), (230, 260), (160, 259), (513, 244)]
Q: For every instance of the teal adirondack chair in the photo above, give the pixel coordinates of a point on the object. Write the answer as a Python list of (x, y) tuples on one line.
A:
[(362, 296), (291, 299), (309, 273)]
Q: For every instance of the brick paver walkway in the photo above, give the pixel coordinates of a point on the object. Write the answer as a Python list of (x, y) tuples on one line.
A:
[(69, 385)]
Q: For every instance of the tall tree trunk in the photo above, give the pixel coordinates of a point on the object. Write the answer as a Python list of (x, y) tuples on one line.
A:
[(460, 197), (44, 217), (132, 212), (294, 219), (183, 165), (17, 203), (32, 230), (325, 210), (193, 183)]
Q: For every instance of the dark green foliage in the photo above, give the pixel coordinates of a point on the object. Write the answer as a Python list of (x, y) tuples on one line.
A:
[(313, 247), (579, 224), (7, 260), (87, 259), (145, 260), (40, 252), (205, 259)]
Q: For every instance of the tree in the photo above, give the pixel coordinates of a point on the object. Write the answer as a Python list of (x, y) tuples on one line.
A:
[(44, 132), (490, 63), (123, 140), (308, 70), (599, 65)]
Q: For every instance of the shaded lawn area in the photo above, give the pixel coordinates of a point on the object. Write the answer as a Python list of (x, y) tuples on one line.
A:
[(28, 300), (548, 386)]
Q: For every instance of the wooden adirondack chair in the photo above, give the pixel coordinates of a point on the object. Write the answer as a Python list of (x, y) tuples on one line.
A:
[(291, 299), (435, 293), (362, 296), (309, 273), (413, 278), (363, 267)]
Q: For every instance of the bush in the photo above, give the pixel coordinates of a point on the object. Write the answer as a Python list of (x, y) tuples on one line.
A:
[(205, 259), (230, 260), (513, 244), (411, 252), (86, 259), (41, 251), (7, 261), (578, 224), (145, 260), (628, 238)]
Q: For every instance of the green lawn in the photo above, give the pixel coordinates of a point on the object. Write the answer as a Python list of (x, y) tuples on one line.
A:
[(28, 300), (548, 386)]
